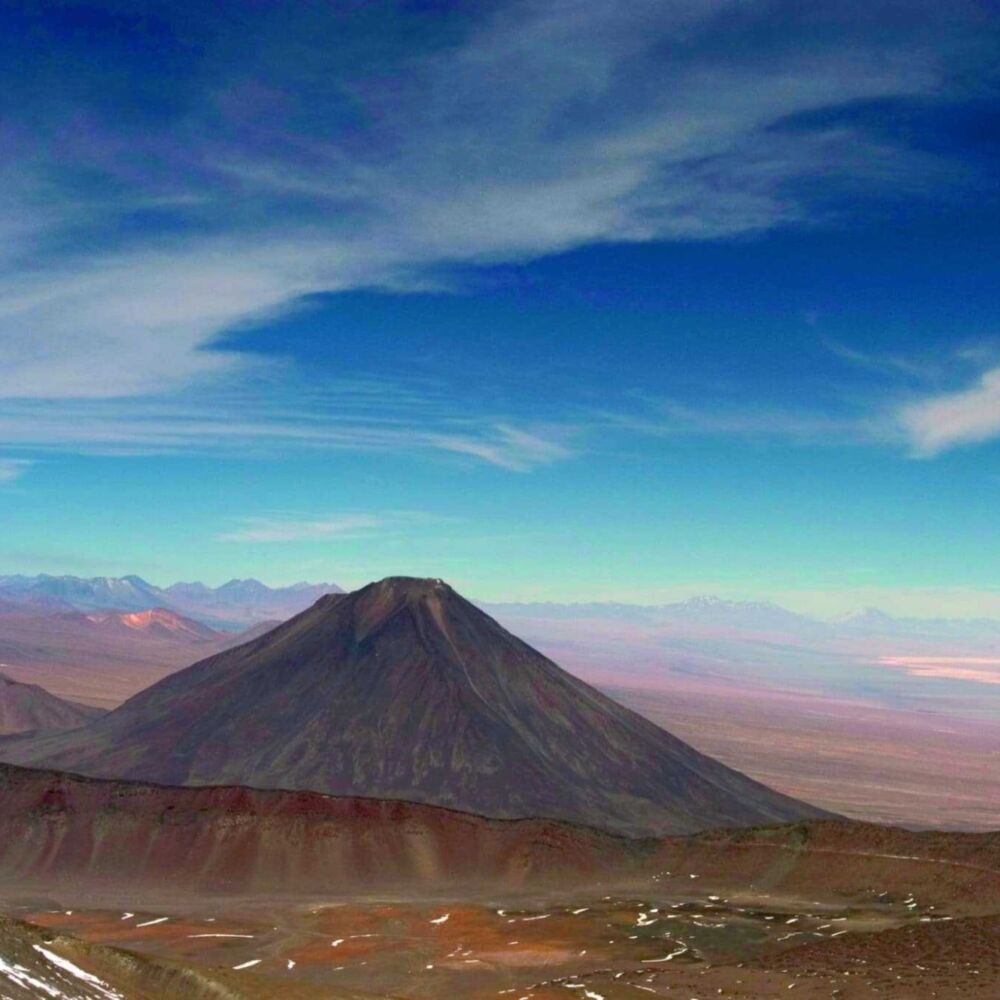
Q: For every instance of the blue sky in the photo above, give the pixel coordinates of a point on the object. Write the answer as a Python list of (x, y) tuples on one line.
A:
[(563, 300)]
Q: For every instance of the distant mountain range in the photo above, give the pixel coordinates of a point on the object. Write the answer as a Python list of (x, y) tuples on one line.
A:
[(746, 616), (239, 603), (404, 689), (233, 605), (705, 610)]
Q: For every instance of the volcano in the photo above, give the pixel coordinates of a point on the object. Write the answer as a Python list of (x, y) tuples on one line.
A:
[(405, 690)]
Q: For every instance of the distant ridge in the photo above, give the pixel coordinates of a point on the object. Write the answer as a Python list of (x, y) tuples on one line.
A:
[(155, 621), (242, 602), (232, 605), (127, 593), (403, 689), (102, 657), (742, 615), (28, 708)]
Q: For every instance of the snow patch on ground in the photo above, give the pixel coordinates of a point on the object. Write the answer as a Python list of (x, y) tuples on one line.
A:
[(19, 975), (67, 966)]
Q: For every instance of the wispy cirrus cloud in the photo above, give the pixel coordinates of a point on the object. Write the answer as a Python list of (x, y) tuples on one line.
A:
[(896, 364), (302, 529), (300, 526), (509, 447), (363, 417), (538, 128), (936, 403), (908, 409), (841, 419), (11, 469)]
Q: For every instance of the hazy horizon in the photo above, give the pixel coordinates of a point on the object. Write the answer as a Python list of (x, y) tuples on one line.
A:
[(823, 607)]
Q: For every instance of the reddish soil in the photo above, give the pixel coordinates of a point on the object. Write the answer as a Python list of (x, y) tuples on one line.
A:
[(241, 840)]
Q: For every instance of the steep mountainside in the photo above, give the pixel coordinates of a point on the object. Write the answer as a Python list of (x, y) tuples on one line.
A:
[(26, 708), (404, 689)]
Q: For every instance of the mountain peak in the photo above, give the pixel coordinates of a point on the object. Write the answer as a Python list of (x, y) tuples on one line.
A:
[(430, 605), (408, 587), (382, 598), (866, 616), (714, 601)]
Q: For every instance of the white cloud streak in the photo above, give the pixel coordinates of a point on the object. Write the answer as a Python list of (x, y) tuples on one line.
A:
[(510, 448), (667, 419), (928, 424), (293, 529), (12, 469), (952, 419), (247, 424)]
